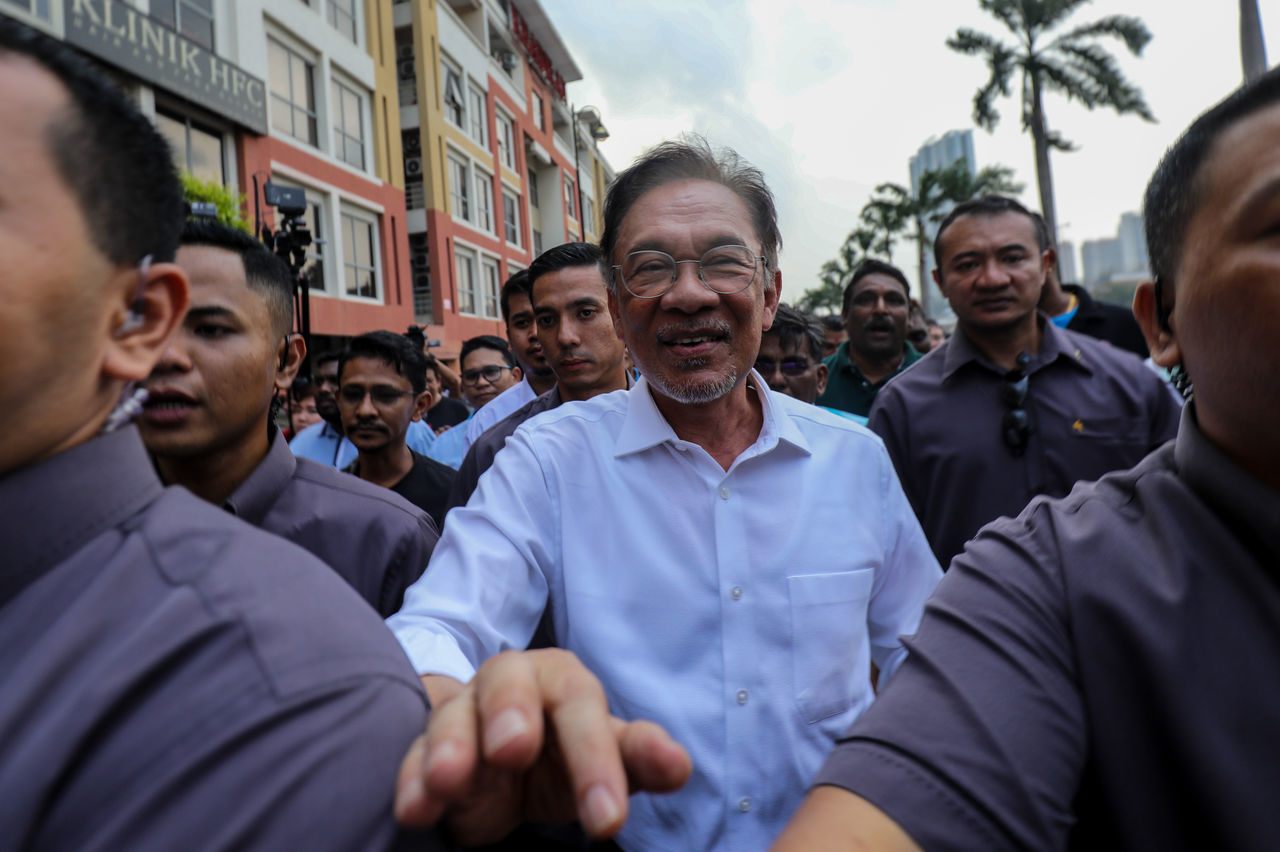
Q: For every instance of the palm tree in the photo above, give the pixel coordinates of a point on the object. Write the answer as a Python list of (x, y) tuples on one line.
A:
[(828, 296), (1072, 63), (1253, 51), (939, 190)]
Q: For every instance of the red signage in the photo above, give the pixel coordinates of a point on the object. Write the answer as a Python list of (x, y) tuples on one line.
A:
[(537, 56)]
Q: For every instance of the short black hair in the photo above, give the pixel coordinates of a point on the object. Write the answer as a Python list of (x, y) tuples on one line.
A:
[(792, 326), (692, 159), (566, 256), (832, 322), (326, 357), (871, 266), (517, 283), (486, 341), (392, 349), (1175, 191), (302, 388), (990, 205), (264, 272), (112, 158)]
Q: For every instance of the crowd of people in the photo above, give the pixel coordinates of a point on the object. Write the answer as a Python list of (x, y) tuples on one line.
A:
[(674, 563)]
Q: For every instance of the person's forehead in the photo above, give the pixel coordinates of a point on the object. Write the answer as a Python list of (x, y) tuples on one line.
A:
[(519, 303), (568, 285), (483, 356), (218, 280), (328, 369), (364, 370), (771, 344), (696, 212), (982, 232), (878, 282), (1242, 167)]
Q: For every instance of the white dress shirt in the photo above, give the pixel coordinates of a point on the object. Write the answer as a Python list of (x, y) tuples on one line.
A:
[(739, 609), (496, 409)]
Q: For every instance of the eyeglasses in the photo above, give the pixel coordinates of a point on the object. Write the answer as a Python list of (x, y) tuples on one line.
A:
[(723, 269), (490, 374), (382, 397), (789, 366), (1015, 427)]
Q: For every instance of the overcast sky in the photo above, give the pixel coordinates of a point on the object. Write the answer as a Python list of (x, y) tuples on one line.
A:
[(831, 97)]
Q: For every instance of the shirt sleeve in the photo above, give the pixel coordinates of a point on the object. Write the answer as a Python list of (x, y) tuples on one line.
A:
[(907, 577), (487, 584), (979, 741)]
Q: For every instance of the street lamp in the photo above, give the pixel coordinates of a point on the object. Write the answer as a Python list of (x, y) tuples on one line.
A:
[(590, 116)]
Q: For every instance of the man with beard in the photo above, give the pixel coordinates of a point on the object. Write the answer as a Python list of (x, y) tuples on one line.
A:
[(1011, 406), (383, 389), (876, 306), (729, 561)]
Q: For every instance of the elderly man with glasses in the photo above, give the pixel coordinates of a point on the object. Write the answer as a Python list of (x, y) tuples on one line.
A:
[(726, 560), (1011, 406)]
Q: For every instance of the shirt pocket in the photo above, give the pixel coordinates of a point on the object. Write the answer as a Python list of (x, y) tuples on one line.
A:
[(828, 639)]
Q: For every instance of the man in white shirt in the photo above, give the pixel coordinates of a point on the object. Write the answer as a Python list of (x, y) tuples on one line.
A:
[(726, 560)]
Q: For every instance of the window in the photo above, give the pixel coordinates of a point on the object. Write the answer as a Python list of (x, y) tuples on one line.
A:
[(533, 191), (317, 223), (35, 8), (459, 188), (506, 142), (511, 217), (466, 265), (537, 242), (348, 125), (192, 18), (484, 201), (293, 104), (539, 112), (588, 214), (342, 16), (455, 108), (358, 262), (489, 275), (196, 148), (476, 118), (570, 198)]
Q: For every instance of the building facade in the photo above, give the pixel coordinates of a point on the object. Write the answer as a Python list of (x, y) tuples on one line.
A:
[(299, 93), (935, 155), (498, 164)]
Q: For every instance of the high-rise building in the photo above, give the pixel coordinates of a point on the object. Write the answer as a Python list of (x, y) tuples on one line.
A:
[(935, 155), (1124, 255), (1067, 262), (499, 165)]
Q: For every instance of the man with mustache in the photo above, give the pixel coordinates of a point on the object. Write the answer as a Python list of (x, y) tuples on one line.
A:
[(876, 308), (727, 560), (1011, 406), (382, 389), (571, 313)]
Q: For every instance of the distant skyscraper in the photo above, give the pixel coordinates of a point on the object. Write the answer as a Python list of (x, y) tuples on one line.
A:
[(1067, 262), (934, 155), (1124, 254)]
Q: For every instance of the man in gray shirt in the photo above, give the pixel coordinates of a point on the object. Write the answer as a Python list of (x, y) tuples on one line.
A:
[(1011, 406), (1099, 673), (571, 314), (173, 677), (207, 423)]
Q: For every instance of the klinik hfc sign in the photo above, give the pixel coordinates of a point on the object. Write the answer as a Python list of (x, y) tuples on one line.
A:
[(146, 48)]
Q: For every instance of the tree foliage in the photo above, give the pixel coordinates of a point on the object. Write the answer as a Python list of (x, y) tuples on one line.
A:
[(231, 204), (1047, 58)]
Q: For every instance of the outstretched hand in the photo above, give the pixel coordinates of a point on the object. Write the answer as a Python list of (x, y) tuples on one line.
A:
[(530, 738)]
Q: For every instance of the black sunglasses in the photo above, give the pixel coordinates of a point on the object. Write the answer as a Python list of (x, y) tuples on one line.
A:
[(1015, 427), (789, 366)]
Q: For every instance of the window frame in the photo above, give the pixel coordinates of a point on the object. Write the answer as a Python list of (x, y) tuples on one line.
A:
[(179, 6), (190, 124), (571, 197), (342, 139), (506, 133), (460, 186), (511, 224), (490, 287), (333, 10), (453, 94), (484, 220), (476, 116), (348, 213), (472, 291), (291, 106)]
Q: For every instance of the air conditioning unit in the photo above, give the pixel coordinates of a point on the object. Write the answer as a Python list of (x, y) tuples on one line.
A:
[(420, 260), (508, 61), (404, 51), (406, 70), (422, 282), (411, 141), (418, 242), (412, 167)]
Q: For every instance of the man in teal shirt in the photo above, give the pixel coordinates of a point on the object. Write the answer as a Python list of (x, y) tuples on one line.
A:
[(876, 307)]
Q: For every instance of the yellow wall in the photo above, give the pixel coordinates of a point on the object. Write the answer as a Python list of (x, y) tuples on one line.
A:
[(388, 156)]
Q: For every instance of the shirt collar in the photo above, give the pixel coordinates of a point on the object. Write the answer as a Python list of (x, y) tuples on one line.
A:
[(1244, 503), (1055, 344), (56, 506), (645, 427), (844, 362), (259, 492)]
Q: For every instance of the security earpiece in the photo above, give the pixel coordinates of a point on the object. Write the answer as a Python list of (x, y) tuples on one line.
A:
[(135, 316)]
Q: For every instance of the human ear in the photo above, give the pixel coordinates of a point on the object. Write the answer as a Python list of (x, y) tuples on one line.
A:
[(421, 403), (289, 354), (152, 303), (822, 375), (1161, 341)]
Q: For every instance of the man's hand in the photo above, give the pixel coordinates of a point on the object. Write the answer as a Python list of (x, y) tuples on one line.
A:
[(530, 738)]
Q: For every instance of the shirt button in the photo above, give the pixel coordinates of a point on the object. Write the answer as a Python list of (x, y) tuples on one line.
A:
[(744, 804), (736, 593), (724, 492), (742, 696)]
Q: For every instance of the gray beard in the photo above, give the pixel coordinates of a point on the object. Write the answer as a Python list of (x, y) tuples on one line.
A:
[(690, 393)]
